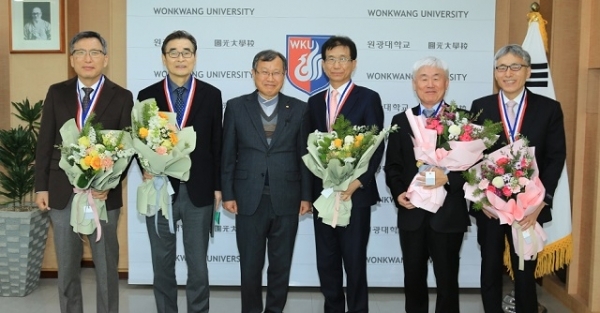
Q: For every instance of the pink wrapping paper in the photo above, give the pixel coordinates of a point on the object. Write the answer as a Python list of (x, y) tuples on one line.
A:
[(462, 156)]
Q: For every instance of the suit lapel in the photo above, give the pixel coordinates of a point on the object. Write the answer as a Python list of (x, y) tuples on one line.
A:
[(253, 109), (106, 94), (70, 94), (351, 102), (284, 110), (531, 113), (320, 111), (196, 101)]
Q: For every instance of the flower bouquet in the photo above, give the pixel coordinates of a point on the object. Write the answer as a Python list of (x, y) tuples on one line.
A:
[(92, 159), (163, 151), (507, 185), (450, 141), (338, 158)]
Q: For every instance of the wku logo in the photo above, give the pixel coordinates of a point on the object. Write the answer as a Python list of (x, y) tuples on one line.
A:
[(305, 71)]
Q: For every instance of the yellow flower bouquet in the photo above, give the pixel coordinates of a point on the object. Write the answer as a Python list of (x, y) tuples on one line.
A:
[(338, 158), (92, 158), (163, 150)]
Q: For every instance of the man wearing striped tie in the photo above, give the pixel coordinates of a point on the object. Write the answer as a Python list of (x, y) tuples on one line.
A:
[(79, 97)]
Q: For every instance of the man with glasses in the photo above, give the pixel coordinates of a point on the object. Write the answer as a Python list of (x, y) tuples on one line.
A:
[(79, 97), (36, 28), (540, 120), (265, 182), (197, 104), (345, 246)]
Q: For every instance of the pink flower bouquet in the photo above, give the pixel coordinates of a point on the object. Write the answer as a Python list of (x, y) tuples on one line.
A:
[(507, 185), (448, 141)]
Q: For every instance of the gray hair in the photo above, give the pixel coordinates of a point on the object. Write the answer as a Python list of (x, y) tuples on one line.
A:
[(87, 34), (267, 56), (430, 61), (515, 50)]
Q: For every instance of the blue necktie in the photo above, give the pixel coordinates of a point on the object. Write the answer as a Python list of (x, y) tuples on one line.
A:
[(179, 104), (428, 112)]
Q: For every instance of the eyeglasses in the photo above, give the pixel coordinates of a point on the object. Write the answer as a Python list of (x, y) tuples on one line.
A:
[(80, 54), (266, 74), (513, 67), (342, 60), (186, 54)]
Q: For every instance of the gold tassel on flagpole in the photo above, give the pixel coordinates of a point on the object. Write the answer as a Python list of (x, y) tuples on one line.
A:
[(535, 16)]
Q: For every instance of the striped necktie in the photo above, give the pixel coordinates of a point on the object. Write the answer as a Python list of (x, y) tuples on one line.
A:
[(85, 103)]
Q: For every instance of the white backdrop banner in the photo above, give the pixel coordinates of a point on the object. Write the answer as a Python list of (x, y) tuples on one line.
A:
[(390, 36)]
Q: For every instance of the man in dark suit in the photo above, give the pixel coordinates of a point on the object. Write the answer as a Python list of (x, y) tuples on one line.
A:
[(347, 245), (423, 234), (89, 92), (265, 182), (197, 104), (540, 120)]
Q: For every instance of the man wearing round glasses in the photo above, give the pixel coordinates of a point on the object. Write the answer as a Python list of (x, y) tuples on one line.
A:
[(37, 28), (196, 104), (540, 120)]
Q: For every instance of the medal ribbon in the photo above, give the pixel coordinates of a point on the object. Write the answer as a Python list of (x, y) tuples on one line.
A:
[(187, 104), (81, 115), (341, 103), (512, 128)]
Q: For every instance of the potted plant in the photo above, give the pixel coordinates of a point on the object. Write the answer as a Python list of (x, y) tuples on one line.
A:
[(23, 228)]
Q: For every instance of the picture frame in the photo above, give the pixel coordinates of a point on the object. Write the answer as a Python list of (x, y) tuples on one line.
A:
[(37, 26)]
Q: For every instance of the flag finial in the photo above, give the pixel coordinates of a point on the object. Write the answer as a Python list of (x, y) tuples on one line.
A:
[(535, 7), (536, 16)]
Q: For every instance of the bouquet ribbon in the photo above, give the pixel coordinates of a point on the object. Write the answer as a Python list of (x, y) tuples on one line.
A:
[(528, 250), (92, 204), (159, 181), (336, 209)]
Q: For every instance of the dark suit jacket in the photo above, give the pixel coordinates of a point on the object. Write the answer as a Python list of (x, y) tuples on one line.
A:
[(400, 169), (543, 126), (362, 107), (113, 111), (205, 116), (247, 157)]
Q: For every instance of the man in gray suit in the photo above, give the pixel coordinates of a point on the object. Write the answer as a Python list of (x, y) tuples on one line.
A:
[(264, 181)]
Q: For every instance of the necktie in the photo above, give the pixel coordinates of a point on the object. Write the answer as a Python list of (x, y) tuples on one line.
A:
[(179, 105), (85, 103), (428, 112), (333, 105), (510, 110)]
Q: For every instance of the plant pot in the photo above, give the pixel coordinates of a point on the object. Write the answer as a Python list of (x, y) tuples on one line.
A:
[(23, 238)]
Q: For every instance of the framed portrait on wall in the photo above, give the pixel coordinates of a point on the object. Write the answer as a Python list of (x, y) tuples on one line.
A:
[(37, 26)]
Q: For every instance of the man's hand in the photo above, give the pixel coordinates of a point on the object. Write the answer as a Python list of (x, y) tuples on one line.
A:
[(100, 195), (531, 219), (440, 178), (489, 215), (41, 199), (405, 202), (305, 207), (347, 194), (231, 206), (147, 176), (218, 199)]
